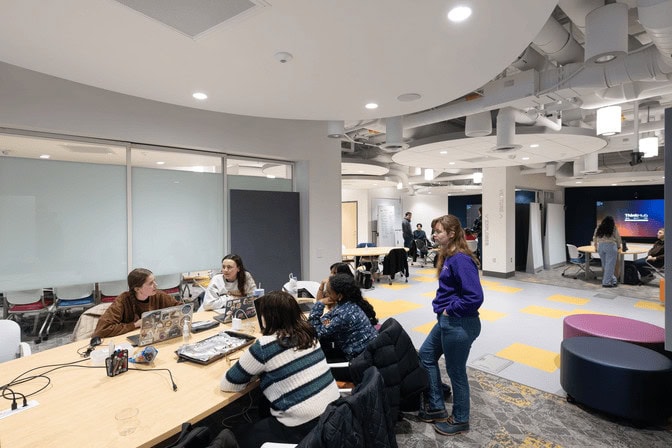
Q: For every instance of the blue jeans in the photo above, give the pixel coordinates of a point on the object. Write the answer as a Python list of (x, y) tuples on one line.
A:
[(451, 337), (608, 256)]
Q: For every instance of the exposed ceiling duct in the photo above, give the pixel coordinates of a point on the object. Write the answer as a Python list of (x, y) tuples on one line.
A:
[(506, 130)]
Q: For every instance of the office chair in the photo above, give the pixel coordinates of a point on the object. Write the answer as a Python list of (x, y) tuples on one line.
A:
[(421, 251), (109, 291), (576, 259), (11, 347), (66, 298), (396, 261), (27, 303), (170, 284)]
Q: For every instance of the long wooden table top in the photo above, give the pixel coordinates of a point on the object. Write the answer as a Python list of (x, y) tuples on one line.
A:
[(369, 251), (633, 249), (78, 407)]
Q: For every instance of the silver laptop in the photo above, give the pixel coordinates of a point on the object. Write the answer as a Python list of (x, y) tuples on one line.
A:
[(161, 325), (239, 307)]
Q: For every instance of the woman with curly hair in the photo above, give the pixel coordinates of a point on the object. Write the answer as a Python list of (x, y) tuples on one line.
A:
[(349, 324), (456, 305), (607, 241)]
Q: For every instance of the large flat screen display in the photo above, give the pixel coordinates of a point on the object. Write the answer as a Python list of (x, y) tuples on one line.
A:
[(637, 218)]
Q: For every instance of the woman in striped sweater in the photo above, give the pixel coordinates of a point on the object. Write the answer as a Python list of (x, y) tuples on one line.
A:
[(294, 375)]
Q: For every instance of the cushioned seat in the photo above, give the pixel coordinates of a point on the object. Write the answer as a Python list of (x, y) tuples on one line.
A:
[(617, 377), (615, 327)]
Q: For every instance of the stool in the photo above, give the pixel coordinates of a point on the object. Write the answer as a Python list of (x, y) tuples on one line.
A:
[(615, 327), (617, 377)]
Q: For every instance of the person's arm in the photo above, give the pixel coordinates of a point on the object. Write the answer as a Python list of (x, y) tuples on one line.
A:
[(237, 377), (619, 242), (212, 299), (321, 290), (329, 324), (470, 299), (110, 323)]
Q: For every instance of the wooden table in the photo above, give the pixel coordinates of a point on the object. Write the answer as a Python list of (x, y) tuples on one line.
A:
[(369, 251), (635, 250), (78, 407)]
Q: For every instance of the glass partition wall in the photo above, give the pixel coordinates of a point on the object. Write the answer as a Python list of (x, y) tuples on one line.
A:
[(90, 211)]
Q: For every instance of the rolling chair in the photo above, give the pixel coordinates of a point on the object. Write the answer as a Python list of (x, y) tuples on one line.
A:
[(576, 260), (170, 284), (396, 261), (109, 291), (26, 303), (420, 250), (11, 347), (66, 298)]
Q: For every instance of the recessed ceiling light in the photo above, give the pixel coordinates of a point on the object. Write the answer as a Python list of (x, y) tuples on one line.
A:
[(160, 163), (578, 182), (200, 96), (451, 163), (407, 97), (525, 158), (270, 176), (534, 145), (459, 13), (45, 156), (443, 152), (371, 106), (613, 185)]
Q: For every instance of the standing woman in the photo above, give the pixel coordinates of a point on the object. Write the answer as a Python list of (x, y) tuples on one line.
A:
[(233, 281), (607, 241), (456, 306)]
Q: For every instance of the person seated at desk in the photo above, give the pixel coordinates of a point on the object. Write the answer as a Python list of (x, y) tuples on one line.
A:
[(348, 326), (294, 375), (422, 247), (125, 312), (655, 257), (607, 241), (228, 283), (336, 268)]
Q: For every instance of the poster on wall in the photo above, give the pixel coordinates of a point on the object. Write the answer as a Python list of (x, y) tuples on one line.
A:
[(386, 225)]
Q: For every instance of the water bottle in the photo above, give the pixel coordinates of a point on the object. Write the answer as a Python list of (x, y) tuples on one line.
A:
[(186, 332)]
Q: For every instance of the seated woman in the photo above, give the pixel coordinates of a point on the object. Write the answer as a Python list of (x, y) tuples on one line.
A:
[(349, 324), (233, 281), (655, 257), (336, 268), (125, 312), (295, 377)]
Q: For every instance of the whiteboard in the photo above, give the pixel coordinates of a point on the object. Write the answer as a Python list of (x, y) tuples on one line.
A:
[(386, 225)]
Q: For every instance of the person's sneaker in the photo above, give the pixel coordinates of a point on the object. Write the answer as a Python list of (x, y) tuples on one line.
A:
[(450, 427), (438, 415)]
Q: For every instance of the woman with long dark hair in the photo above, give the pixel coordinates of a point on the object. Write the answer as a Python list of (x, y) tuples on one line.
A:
[(295, 377), (607, 242), (349, 324), (456, 305), (234, 281)]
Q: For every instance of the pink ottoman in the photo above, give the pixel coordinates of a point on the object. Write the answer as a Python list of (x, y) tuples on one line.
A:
[(615, 327)]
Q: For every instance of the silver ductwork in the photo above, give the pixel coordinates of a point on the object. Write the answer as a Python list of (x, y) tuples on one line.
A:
[(656, 18)]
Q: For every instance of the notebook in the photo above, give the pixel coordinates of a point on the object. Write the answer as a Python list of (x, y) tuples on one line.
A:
[(161, 325), (240, 307)]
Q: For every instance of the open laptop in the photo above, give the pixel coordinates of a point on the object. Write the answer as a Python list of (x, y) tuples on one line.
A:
[(240, 307), (161, 325)]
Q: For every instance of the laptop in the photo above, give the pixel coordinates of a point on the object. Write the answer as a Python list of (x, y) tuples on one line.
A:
[(240, 307), (161, 325)]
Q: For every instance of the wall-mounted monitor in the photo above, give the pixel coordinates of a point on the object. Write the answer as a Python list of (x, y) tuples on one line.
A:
[(636, 218)]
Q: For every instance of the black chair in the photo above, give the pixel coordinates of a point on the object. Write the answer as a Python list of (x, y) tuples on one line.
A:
[(420, 250), (396, 261)]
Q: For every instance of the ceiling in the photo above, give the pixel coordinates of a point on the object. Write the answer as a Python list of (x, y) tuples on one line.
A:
[(401, 54)]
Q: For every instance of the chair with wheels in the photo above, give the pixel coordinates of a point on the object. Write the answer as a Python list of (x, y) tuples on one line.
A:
[(170, 284), (25, 303), (11, 347), (576, 260), (66, 299), (109, 291), (395, 262), (421, 251)]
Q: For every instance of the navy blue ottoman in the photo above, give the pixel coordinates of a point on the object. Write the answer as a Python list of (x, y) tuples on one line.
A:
[(617, 377)]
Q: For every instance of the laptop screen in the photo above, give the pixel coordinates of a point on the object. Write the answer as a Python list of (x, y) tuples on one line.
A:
[(163, 324)]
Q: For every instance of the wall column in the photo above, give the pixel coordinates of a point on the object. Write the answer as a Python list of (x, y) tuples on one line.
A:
[(499, 221)]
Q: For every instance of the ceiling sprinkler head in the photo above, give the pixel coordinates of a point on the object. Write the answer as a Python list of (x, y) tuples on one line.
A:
[(283, 56)]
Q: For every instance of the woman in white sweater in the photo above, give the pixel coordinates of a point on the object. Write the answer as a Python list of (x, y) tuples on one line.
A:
[(294, 375), (228, 284)]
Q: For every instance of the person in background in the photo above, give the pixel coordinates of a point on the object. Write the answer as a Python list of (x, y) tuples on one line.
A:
[(349, 324), (406, 231), (125, 312), (233, 281), (420, 235), (456, 305), (655, 257), (477, 230), (607, 241), (336, 268), (294, 375)]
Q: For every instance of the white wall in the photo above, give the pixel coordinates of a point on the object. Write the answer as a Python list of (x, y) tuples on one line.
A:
[(425, 208), (33, 101)]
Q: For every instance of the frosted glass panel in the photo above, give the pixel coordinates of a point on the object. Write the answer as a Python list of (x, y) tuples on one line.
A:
[(61, 223), (177, 220)]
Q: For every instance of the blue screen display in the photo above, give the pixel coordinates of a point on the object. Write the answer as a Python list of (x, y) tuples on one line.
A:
[(639, 218)]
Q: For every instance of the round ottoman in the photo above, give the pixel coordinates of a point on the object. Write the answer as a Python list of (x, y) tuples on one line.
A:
[(615, 327), (617, 377)]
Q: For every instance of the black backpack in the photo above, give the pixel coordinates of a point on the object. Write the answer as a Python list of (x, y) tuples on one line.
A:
[(631, 274), (364, 279)]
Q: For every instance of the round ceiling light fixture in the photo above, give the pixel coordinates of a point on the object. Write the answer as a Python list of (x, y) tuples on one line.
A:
[(283, 57), (200, 96), (459, 14), (408, 97)]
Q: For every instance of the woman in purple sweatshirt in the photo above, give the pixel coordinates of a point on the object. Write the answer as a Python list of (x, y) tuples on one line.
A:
[(456, 306)]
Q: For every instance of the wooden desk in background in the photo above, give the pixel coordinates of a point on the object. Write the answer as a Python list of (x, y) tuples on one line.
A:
[(78, 407), (369, 251), (635, 250)]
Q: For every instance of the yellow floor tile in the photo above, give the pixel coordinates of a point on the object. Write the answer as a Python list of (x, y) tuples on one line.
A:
[(491, 315), (394, 286), (650, 305), (431, 294), (429, 272), (535, 357), (425, 328), (386, 309), (568, 299), (502, 288), (488, 283), (545, 312)]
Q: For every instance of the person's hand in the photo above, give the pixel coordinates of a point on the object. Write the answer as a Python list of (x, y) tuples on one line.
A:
[(137, 323), (650, 258)]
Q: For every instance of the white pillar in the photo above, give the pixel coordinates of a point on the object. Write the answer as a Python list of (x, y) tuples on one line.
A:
[(499, 220)]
